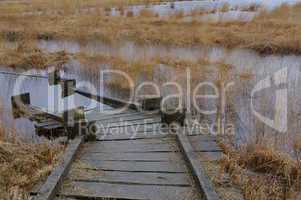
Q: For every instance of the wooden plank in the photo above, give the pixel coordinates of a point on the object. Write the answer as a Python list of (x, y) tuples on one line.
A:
[(204, 143), (142, 141), (201, 137), (92, 190), (95, 116), (99, 115), (97, 112), (139, 142), (204, 184), (53, 182), (205, 146), (166, 156), (100, 147), (131, 119), (132, 136), (120, 123), (162, 167), (146, 178), (132, 130), (115, 103)]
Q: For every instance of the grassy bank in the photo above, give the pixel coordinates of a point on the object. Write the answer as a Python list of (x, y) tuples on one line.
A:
[(23, 164)]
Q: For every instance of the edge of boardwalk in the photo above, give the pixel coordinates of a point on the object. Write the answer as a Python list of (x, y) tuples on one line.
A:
[(49, 189), (202, 181)]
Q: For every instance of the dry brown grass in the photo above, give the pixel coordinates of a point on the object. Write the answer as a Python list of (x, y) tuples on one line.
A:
[(23, 164), (262, 172), (65, 6), (147, 13), (27, 56), (276, 32)]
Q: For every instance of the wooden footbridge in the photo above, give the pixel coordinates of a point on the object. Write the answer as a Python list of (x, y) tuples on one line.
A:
[(129, 155)]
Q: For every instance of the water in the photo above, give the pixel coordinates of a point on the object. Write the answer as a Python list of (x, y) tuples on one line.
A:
[(248, 68), (186, 7), (128, 50), (42, 94)]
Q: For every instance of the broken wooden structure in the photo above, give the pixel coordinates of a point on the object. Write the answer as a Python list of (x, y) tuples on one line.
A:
[(133, 156)]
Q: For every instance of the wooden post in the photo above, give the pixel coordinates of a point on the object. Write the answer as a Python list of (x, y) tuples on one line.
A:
[(54, 77), (74, 122), (18, 102), (68, 87), (150, 104)]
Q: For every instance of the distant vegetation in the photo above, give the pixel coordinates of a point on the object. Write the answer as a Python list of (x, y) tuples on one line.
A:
[(275, 32)]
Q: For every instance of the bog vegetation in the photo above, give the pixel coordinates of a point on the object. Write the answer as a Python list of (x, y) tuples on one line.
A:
[(23, 164)]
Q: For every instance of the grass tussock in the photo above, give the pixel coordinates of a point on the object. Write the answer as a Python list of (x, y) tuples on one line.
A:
[(262, 172), (23, 164)]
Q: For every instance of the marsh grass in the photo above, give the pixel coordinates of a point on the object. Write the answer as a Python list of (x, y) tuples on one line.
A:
[(27, 56), (147, 13), (278, 31), (262, 171), (23, 164)]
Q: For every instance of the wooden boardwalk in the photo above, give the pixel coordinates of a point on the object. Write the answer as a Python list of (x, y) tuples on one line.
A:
[(133, 157)]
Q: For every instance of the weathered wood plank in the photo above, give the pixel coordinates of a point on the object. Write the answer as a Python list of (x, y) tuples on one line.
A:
[(120, 123), (206, 146), (126, 191), (115, 103), (132, 130), (204, 184), (199, 144), (162, 167), (201, 137), (166, 156), (107, 114), (52, 184), (133, 136), (125, 116), (146, 178), (129, 147), (139, 142)]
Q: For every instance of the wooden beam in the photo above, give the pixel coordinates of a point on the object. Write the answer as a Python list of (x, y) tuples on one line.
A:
[(50, 188), (201, 179), (115, 103)]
